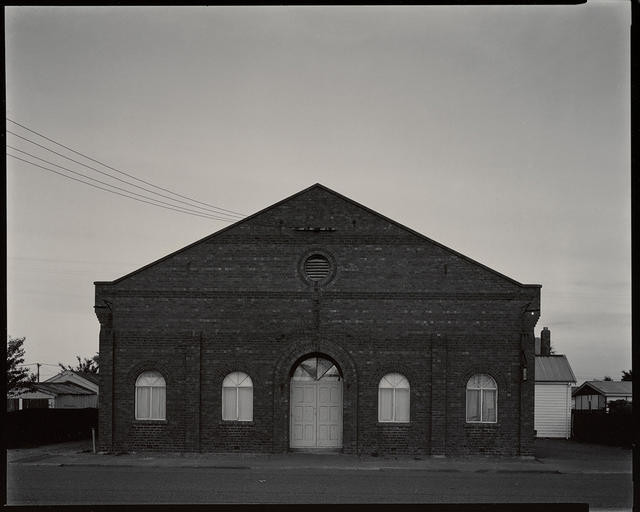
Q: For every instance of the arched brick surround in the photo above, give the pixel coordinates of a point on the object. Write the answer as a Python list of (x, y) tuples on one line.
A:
[(292, 355)]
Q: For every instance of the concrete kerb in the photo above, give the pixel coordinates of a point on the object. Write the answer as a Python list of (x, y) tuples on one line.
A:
[(286, 462), (553, 456)]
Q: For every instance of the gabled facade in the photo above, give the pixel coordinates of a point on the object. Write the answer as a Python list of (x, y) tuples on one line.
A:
[(317, 323)]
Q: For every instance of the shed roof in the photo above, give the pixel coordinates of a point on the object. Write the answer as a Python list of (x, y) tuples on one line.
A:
[(608, 387), (554, 368)]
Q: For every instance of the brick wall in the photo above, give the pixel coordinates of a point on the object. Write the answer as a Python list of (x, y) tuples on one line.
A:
[(237, 301)]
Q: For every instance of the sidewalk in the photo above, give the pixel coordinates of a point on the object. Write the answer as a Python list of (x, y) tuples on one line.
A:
[(552, 456)]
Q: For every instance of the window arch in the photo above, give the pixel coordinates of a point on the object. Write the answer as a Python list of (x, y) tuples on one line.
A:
[(151, 396), (482, 399), (237, 397), (393, 399)]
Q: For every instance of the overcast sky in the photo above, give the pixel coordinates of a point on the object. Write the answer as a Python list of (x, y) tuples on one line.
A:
[(502, 132)]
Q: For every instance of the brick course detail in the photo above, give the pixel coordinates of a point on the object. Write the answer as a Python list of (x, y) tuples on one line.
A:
[(395, 302)]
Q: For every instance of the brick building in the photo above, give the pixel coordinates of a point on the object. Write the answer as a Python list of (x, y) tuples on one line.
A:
[(317, 323)]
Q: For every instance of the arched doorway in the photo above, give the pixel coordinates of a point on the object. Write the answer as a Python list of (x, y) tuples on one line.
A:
[(316, 405)]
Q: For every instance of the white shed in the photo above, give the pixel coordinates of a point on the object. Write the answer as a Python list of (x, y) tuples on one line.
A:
[(552, 413)]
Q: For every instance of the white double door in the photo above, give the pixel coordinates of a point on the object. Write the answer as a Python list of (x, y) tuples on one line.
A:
[(316, 414)]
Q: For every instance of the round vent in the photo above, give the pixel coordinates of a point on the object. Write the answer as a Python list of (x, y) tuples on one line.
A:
[(317, 267)]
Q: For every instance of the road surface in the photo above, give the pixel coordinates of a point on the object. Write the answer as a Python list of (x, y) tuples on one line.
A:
[(40, 484)]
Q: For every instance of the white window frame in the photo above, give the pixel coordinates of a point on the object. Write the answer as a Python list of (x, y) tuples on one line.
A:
[(154, 374), (395, 381), (237, 381), (482, 390)]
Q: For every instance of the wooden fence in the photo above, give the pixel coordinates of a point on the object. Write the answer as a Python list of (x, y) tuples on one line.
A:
[(612, 428), (33, 427)]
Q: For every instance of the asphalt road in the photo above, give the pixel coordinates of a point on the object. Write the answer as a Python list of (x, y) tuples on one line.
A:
[(29, 484)]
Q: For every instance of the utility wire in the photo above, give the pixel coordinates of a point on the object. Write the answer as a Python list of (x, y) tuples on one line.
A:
[(111, 176), (41, 364), (104, 183), (198, 214), (114, 186), (169, 207), (122, 172)]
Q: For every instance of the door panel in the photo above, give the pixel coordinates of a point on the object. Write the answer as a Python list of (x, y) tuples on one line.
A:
[(329, 414), (303, 414)]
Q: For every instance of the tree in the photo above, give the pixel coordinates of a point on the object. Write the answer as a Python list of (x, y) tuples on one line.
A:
[(627, 375), (607, 378), (85, 365), (18, 376)]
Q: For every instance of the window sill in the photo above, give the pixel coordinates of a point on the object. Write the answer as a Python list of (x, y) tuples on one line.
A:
[(236, 422), (481, 424), (150, 422), (394, 423)]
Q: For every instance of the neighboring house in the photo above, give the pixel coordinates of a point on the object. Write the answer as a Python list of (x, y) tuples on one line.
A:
[(598, 394), (317, 323), (554, 379), (66, 390), (85, 379)]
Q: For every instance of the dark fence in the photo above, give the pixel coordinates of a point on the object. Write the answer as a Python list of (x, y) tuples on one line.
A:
[(33, 427), (612, 428)]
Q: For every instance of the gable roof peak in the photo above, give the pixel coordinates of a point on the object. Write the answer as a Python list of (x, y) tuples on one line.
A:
[(320, 186)]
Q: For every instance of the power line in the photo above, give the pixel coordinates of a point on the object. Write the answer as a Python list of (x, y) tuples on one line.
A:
[(110, 175), (118, 193), (173, 207), (109, 184), (177, 208), (169, 207), (122, 172)]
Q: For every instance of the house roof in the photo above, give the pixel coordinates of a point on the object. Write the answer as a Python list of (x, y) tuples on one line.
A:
[(63, 388), (607, 387), (91, 377), (554, 368), (347, 199)]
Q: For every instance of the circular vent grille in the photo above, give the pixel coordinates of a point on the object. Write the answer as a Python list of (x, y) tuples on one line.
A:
[(317, 267)]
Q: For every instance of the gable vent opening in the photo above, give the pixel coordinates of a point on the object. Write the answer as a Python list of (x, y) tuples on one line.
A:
[(317, 267)]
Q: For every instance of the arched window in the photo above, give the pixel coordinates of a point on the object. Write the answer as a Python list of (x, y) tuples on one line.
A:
[(237, 397), (482, 399), (393, 399), (151, 393)]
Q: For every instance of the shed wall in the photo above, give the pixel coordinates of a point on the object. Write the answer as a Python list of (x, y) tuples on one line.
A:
[(553, 410)]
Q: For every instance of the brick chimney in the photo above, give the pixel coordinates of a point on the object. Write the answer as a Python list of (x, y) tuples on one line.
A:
[(545, 342)]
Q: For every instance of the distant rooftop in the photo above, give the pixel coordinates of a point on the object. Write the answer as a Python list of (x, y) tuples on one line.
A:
[(63, 388), (608, 387), (91, 377)]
